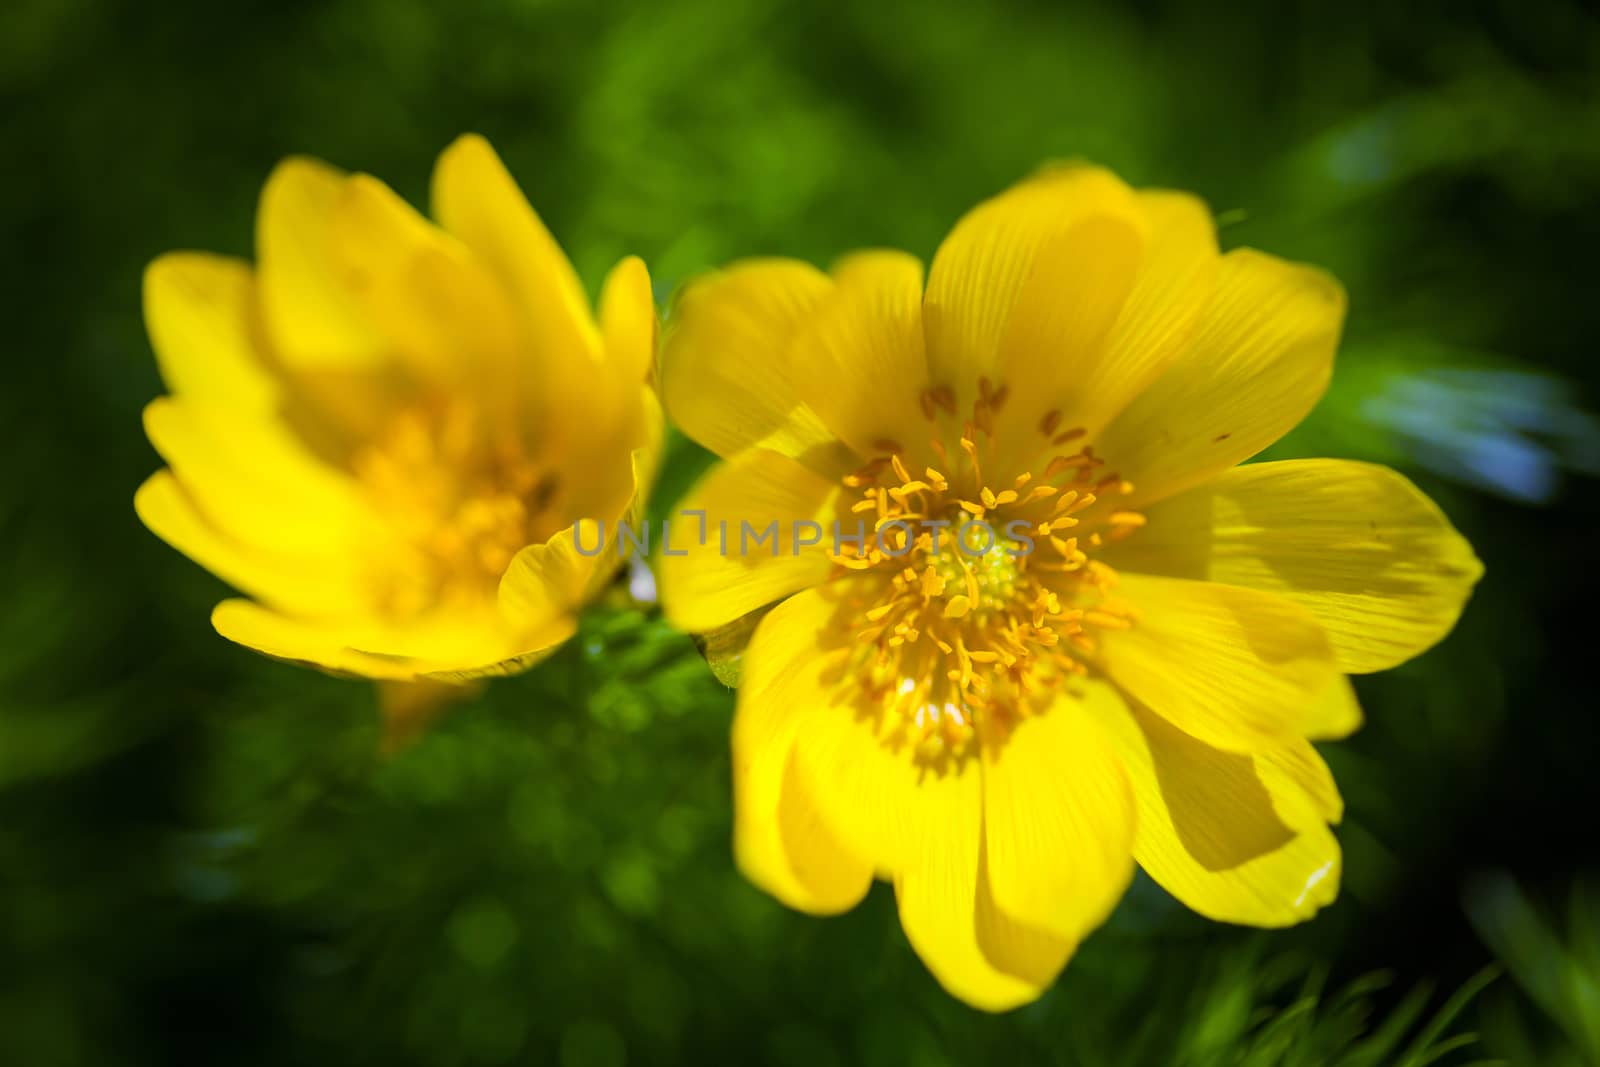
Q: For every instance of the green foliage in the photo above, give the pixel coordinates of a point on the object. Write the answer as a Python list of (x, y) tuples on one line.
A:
[(1557, 966), (204, 859)]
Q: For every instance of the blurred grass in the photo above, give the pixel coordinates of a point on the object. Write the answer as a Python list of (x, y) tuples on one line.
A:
[(202, 859)]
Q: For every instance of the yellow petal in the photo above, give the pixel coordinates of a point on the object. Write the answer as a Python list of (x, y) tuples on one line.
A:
[(293, 582), (1174, 284), (1015, 949), (1055, 343), (255, 505), (310, 317), (852, 756), (859, 361), (550, 580), (476, 199), (1304, 792), (257, 482), (884, 809), (981, 268), (451, 645), (555, 579), (743, 553), (628, 321), (727, 375), (858, 768), (619, 400), (781, 841), (600, 493), (1222, 832), (442, 312), (477, 663), (1358, 546), (199, 310), (296, 641), (1259, 360), (644, 461), (1232, 666), (829, 879), (1058, 821), (606, 472), (947, 918), (575, 391), (1335, 714)]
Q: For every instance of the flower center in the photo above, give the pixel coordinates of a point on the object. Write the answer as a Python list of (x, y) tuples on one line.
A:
[(460, 502), (985, 574), (986, 592)]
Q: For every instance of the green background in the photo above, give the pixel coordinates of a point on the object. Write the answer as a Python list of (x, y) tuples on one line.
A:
[(202, 857)]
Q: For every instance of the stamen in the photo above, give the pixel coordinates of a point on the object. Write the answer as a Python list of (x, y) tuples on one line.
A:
[(1108, 481), (464, 497), (1039, 492), (953, 631), (970, 447)]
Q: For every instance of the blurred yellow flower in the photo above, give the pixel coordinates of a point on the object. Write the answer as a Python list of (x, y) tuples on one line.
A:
[(1076, 634), (385, 431)]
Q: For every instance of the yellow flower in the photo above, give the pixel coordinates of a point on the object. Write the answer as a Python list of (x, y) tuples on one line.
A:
[(1133, 670), (384, 432)]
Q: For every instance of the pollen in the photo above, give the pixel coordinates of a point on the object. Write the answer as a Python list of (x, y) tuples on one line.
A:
[(978, 588), (986, 580), (459, 500)]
